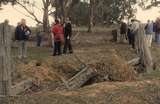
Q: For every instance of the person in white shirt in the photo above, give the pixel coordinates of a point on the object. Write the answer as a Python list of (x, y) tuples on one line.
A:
[(133, 31)]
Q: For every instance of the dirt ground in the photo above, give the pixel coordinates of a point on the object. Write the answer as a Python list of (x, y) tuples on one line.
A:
[(141, 92), (94, 49)]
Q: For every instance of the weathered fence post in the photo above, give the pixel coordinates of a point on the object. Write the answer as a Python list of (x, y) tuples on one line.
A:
[(144, 51), (5, 59)]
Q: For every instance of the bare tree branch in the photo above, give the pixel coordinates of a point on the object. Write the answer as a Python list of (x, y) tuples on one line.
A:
[(152, 4), (30, 12), (27, 15)]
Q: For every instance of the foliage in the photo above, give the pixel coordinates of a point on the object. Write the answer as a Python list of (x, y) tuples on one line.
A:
[(63, 8), (80, 13), (7, 1), (148, 4), (107, 11)]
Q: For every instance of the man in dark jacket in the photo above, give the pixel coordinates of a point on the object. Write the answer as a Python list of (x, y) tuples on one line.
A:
[(67, 37), (22, 33), (39, 38), (123, 31)]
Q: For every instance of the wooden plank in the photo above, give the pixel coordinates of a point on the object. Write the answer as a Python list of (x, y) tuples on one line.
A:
[(134, 61), (81, 78), (22, 86)]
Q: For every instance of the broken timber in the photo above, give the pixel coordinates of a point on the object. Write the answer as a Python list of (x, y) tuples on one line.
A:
[(80, 78), (134, 61), (22, 86)]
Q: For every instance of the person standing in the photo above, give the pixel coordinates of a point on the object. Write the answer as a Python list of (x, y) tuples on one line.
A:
[(67, 37), (58, 33), (157, 31), (133, 32), (123, 31), (154, 31), (129, 35), (149, 32), (22, 33), (39, 36)]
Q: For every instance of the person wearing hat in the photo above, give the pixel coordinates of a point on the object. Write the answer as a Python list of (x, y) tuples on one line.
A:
[(67, 37)]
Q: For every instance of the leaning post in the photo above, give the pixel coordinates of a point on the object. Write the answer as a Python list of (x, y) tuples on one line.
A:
[(144, 51)]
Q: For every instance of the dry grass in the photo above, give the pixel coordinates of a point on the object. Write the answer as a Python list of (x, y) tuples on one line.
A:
[(93, 51), (37, 70), (119, 69)]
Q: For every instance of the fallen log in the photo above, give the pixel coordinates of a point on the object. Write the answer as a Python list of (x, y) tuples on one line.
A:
[(22, 86), (134, 61)]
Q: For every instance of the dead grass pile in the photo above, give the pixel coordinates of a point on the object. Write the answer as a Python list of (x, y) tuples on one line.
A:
[(66, 65), (41, 72), (119, 70), (115, 68)]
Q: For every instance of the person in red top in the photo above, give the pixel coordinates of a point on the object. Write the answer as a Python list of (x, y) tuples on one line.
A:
[(58, 33)]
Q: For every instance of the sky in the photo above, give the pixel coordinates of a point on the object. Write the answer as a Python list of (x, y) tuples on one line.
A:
[(14, 14)]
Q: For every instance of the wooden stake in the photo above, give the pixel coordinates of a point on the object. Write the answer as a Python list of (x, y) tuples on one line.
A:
[(5, 59), (143, 50)]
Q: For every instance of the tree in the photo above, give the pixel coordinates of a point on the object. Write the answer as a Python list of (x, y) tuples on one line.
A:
[(63, 8), (30, 6), (114, 10), (148, 4), (79, 13), (6, 2), (110, 11), (105, 11), (91, 15)]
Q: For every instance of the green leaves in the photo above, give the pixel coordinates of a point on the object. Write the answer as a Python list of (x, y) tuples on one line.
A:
[(7, 1)]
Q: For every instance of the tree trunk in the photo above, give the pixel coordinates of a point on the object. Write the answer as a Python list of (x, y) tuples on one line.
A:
[(62, 11), (91, 16), (56, 7), (46, 27), (45, 20), (5, 59)]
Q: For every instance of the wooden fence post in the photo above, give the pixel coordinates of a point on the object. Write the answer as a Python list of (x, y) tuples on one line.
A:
[(143, 50), (5, 59)]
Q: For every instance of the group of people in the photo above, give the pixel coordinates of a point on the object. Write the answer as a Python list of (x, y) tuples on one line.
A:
[(61, 33), (129, 32), (151, 31)]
